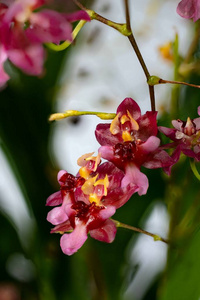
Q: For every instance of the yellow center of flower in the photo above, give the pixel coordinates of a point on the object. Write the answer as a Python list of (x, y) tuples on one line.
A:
[(96, 189), (26, 12), (86, 169), (119, 125)]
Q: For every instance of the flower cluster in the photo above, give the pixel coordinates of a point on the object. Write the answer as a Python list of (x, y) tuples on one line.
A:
[(186, 139), (24, 27), (86, 201)]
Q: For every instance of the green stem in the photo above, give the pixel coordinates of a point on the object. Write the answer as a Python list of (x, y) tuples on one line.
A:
[(66, 44), (153, 80), (139, 55), (122, 28), (194, 169), (154, 236), (174, 109), (73, 113)]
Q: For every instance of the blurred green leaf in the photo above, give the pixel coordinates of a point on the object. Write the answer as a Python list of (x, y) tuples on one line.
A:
[(182, 282)]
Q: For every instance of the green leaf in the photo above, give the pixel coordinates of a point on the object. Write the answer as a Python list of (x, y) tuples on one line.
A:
[(183, 279)]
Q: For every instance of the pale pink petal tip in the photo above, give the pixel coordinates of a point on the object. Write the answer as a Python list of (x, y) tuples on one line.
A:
[(72, 242)]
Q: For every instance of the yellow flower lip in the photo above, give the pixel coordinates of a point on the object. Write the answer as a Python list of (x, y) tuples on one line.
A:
[(115, 124), (127, 137), (95, 195), (84, 162)]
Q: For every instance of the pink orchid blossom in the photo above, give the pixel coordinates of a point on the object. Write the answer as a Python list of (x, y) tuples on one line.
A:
[(23, 31), (186, 138), (189, 9), (85, 205), (130, 142)]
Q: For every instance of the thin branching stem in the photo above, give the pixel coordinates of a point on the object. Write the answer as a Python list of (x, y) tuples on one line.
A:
[(138, 54), (139, 230)]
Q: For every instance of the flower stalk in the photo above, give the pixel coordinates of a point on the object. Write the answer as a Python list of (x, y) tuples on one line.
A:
[(154, 80), (194, 169), (122, 28), (75, 113), (67, 43), (139, 55), (136, 229)]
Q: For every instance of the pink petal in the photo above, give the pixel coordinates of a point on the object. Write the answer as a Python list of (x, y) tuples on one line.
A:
[(150, 145), (186, 8), (178, 124), (59, 176), (105, 233), (54, 199), (71, 242), (3, 75), (20, 7), (197, 120), (48, 26), (108, 212), (107, 152), (63, 227), (30, 59), (77, 15), (198, 110), (57, 216), (134, 176), (169, 132)]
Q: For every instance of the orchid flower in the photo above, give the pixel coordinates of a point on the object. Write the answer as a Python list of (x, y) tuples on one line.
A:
[(84, 205), (186, 138), (130, 142), (23, 31)]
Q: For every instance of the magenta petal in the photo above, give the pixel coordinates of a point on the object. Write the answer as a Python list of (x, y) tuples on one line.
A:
[(57, 216), (119, 196), (169, 132), (71, 242), (105, 233), (130, 105), (12, 12), (104, 136), (134, 176), (159, 159), (30, 59), (49, 26), (115, 175), (78, 15), (147, 125), (54, 199), (175, 156)]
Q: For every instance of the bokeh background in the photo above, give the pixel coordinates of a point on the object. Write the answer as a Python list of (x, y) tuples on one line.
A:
[(97, 73)]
